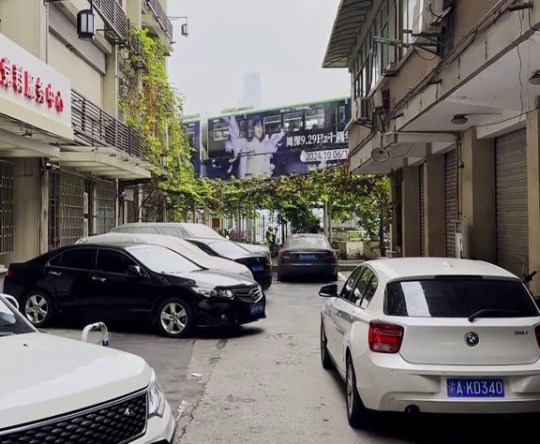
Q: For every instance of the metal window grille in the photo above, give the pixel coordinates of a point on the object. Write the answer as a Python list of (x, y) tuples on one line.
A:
[(71, 206), (105, 206), (54, 211), (6, 206)]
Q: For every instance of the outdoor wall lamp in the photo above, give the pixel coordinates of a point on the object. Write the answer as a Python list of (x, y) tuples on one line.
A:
[(86, 28), (460, 119), (535, 78), (184, 28)]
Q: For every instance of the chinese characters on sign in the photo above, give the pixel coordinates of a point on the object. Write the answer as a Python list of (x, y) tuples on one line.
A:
[(22, 82), (317, 139)]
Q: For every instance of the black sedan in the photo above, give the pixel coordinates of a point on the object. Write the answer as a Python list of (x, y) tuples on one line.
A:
[(259, 263), (307, 254), (132, 282)]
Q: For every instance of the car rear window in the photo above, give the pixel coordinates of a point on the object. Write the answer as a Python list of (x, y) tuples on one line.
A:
[(307, 242), (458, 298)]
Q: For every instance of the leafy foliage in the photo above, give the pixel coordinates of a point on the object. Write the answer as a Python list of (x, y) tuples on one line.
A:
[(151, 105)]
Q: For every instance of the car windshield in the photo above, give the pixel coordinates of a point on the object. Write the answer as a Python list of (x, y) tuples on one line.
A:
[(307, 242), (459, 298), (162, 260), (228, 248), (11, 323)]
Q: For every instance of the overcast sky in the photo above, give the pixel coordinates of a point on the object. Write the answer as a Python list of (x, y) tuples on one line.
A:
[(283, 40)]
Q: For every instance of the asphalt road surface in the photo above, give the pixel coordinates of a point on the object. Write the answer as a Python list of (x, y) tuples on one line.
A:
[(264, 384)]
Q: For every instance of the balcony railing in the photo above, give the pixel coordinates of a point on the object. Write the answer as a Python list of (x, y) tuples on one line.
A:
[(161, 17), (98, 128), (115, 20)]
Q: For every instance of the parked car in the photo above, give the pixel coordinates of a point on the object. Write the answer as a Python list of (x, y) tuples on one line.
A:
[(81, 393), (259, 264), (180, 246), (184, 230), (132, 282), (432, 335), (307, 254)]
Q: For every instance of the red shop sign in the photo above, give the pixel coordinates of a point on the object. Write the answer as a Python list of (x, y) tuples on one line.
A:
[(22, 82)]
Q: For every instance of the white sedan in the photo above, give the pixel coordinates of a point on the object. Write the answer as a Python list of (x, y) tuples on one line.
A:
[(59, 390), (432, 335)]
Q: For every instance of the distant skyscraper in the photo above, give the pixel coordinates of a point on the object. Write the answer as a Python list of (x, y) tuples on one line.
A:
[(251, 95)]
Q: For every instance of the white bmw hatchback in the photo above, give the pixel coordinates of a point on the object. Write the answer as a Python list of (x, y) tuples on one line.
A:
[(432, 335)]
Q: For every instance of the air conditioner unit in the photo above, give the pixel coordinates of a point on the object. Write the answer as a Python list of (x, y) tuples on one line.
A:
[(427, 17), (381, 100), (362, 109)]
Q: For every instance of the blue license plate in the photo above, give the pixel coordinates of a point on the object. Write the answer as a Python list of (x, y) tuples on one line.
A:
[(257, 268), (256, 309), (307, 257), (475, 388)]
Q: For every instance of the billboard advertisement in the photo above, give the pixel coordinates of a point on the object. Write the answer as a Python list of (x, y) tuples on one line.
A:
[(282, 141), (193, 131)]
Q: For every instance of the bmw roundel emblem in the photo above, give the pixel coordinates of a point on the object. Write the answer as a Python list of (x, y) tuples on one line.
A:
[(472, 339)]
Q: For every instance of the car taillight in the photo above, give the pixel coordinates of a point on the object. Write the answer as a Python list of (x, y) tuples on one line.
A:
[(286, 255), (330, 255), (385, 337), (10, 272), (537, 331)]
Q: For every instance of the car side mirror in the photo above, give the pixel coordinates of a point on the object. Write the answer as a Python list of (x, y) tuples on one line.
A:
[(135, 270), (329, 291)]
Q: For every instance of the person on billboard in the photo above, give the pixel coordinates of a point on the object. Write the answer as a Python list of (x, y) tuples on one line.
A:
[(252, 157)]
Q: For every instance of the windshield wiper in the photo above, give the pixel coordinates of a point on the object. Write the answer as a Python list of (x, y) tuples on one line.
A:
[(6, 333), (488, 311)]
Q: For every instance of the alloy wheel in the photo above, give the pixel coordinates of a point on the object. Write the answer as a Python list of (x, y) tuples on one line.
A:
[(36, 309), (174, 318)]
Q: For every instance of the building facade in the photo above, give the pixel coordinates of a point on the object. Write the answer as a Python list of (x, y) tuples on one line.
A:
[(445, 101), (64, 148)]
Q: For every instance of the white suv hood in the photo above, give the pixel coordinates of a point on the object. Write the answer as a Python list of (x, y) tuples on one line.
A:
[(42, 375)]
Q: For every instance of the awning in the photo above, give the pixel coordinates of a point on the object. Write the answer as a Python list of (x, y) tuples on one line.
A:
[(351, 16), (106, 162), (26, 145)]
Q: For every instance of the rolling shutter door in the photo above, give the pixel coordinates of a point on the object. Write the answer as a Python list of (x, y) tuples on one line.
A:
[(450, 201), (71, 208), (422, 213), (512, 211)]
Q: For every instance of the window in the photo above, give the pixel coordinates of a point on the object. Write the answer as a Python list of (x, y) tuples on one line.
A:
[(347, 292), (221, 132), (369, 292), (307, 242), (373, 58), (79, 258), (458, 297), (410, 15), (162, 260), (228, 248), (272, 124), (363, 282), (112, 261), (315, 119), (293, 122)]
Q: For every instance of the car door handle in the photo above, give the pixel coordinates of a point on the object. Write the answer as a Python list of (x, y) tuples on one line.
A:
[(55, 273), (98, 279)]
